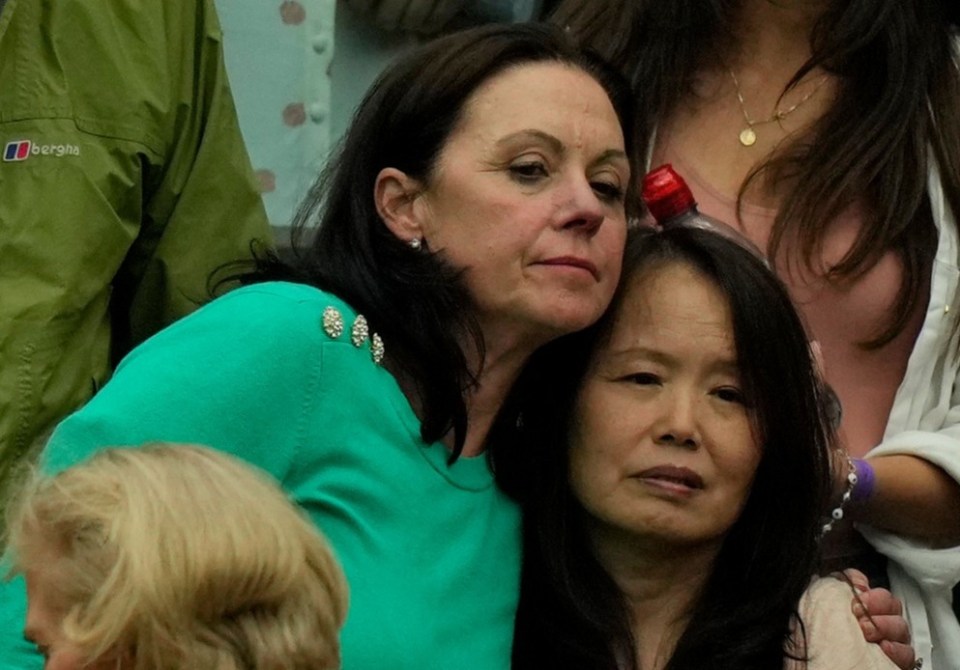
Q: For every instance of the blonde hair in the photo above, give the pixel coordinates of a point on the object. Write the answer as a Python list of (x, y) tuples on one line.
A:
[(180, 556)]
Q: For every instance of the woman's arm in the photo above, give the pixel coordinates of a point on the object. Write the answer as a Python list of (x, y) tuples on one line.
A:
[(914, 498)]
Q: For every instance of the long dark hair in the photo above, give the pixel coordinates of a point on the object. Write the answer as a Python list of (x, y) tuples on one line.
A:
[(571, 613), (415, 300), (897, 109)]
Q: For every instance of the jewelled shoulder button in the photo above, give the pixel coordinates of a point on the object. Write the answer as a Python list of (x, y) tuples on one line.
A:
[(360, 331), (332, 322), (377, 349)]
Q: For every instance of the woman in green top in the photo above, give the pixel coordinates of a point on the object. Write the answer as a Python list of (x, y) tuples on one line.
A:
[(476, 211)]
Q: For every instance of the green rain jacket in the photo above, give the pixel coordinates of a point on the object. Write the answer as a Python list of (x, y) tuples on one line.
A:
[(123, 184)]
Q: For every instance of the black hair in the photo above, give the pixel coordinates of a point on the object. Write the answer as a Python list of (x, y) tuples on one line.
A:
[(897, 110), (571, 614), (415, 300)]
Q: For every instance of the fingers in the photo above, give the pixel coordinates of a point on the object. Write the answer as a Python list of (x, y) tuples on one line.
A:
[(880, 602), (880, 615), (858, 579), (901, 654), (889, 628)]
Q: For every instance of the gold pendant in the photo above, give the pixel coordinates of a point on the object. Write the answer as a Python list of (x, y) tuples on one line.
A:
[(748, 137)]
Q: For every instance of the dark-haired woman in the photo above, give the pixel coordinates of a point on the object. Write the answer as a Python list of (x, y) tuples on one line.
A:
[(675, 465), (476, 211), (829, 131)]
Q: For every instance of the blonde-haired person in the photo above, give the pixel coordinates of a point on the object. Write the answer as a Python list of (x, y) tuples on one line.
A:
[(169, 557)]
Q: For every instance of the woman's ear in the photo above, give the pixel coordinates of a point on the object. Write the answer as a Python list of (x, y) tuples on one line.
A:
[(395, 194)]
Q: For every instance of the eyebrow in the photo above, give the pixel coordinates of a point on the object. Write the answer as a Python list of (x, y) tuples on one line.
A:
[(728, 366), (611, 156), (608, 156), (641, 352), (532, 133)]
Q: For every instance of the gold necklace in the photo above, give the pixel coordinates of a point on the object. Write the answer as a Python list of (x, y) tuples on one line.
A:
[(748, 136)]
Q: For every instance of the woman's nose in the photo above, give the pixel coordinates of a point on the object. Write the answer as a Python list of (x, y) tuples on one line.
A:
[(585, 212), (677, 424)]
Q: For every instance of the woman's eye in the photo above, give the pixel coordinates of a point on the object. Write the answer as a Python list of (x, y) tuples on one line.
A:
[(731, 394), (528, 171), (642, 378), (607, 191)]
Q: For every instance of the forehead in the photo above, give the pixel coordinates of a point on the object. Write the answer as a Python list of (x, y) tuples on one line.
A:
[(677, 304), (555, 96)]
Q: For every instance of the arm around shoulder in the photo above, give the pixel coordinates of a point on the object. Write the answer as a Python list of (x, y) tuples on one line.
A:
[(833, 637)]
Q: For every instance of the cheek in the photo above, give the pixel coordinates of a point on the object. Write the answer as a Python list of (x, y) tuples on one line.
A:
[(601, 441), (582, 466), (741, 467), (486, 238), (614, 279), (68, 660), (585, 480), (593, 470), (614, 240), (610, 245), (471, 205)]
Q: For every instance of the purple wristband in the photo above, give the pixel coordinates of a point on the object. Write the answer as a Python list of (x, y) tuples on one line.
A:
[(866, 479)]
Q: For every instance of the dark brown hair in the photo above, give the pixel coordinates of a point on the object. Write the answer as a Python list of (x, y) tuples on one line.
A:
[(897, 108), (571, 612)]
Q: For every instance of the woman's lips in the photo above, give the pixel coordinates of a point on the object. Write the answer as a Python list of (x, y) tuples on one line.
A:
[(575, 262), (672, 478)]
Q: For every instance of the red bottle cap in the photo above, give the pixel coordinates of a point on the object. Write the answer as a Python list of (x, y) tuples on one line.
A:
[(666, 194)]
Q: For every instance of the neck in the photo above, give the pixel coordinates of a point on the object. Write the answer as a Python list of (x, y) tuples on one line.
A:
[(660, 585), (503, 360), (775, 32), (495, 374)]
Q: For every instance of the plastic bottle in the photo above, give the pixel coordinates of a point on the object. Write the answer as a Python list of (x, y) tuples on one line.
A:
[(670, 201)]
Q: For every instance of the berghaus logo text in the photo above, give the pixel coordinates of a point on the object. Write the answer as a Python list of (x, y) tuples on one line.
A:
[(21, 150)]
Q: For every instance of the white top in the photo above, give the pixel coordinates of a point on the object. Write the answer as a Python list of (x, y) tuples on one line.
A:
[(925, 422)]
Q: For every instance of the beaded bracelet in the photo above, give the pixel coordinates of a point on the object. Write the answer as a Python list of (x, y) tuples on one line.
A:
[(837, 513)]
